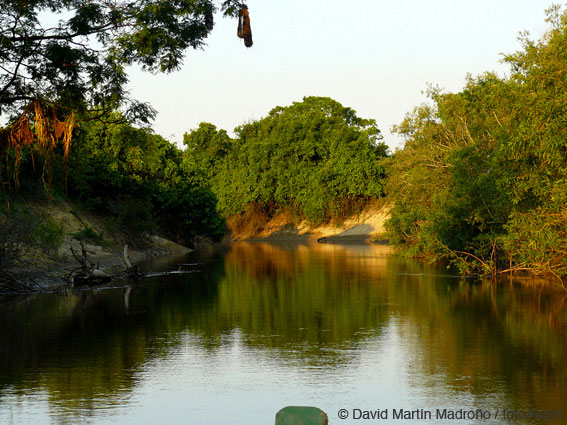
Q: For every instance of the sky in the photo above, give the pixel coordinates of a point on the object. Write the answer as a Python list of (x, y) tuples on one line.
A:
[(374, 56)]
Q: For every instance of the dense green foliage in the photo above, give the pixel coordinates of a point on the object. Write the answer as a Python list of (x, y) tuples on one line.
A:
[(65, 62), (134, 180), (315, 157), (81, 62), (137, 177), (481, 178)]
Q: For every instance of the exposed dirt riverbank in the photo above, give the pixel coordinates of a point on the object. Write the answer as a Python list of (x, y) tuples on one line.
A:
[(74, 228), (79, 228), (366, 226)]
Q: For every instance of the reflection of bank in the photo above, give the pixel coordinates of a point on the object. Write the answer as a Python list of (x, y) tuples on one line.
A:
[(258, 258), (305, 302), (326, 310), (471, 335)]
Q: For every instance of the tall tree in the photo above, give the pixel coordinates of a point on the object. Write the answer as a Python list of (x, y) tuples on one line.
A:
[(52, 73), (81, 60)]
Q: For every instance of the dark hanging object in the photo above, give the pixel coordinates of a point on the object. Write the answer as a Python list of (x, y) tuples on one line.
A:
[(244, 30)]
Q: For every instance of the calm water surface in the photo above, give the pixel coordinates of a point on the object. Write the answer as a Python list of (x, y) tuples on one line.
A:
[(260, 326)]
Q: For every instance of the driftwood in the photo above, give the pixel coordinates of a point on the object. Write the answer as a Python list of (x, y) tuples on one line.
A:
[(87, 273), (133, 272)]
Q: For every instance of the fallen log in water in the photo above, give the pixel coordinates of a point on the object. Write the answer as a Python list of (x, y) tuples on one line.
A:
[(87, 273)]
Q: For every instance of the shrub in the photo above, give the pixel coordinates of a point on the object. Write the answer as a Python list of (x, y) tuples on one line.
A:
[(88, 234), (48, 235)]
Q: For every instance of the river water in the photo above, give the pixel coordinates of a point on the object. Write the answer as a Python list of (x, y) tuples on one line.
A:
[(244, 332)]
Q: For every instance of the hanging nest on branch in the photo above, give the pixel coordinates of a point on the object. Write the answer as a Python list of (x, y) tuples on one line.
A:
[(40, 130), (244, 30)]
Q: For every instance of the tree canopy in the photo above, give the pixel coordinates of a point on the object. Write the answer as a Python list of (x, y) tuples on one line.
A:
[(481, 178), (137, 178), (80, 61), (314, 157)]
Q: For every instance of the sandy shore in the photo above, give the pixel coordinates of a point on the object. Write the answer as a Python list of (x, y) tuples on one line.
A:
[(364, 227)]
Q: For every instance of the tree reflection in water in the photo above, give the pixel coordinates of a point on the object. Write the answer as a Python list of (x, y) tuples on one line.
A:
[(303, 307)]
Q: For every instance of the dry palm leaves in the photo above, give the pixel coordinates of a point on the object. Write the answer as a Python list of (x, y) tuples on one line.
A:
[(38, 129), (244, 30)]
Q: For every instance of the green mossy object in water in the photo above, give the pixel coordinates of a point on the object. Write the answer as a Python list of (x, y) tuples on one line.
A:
[(301, 415)]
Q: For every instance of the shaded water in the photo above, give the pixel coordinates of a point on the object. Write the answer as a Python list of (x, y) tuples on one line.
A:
[(261, 326)]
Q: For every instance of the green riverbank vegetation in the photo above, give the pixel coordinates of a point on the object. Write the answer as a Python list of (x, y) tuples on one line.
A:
[(481, 180), (482, 177), (316, 159)]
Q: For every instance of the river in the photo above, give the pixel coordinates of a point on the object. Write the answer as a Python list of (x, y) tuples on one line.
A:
[(238, 334)]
